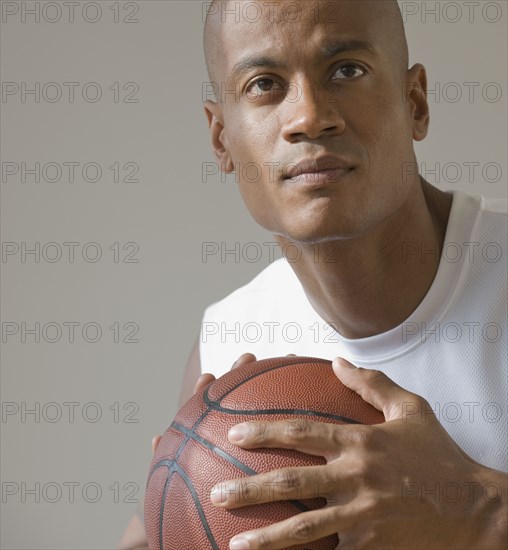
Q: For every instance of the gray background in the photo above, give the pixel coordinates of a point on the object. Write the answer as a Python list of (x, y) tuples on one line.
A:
[(168, 215)]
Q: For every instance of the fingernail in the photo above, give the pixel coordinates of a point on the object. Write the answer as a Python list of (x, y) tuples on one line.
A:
[(344, 363), (217, 495), (238, 433), (239, 543)]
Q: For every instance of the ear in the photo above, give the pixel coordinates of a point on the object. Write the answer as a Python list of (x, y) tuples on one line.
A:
[(220, 147), (415, 87)]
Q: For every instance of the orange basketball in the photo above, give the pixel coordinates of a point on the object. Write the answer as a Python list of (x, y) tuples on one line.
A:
[(194, 453)]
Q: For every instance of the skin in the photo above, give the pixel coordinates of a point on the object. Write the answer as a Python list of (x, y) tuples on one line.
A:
[(370, 119), (380, 472), (368, 108)]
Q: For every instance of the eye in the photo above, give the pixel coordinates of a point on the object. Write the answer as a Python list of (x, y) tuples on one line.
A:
[(261, 86), (264, 84), (348, 71)]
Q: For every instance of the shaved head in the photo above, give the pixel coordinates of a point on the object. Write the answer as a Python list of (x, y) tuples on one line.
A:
[(386, 14), (295, 81)]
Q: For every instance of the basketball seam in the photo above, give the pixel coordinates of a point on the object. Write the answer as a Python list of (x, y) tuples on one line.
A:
[(215, 405), (173, 467), (232, 460), (291, 412), (304, 360)]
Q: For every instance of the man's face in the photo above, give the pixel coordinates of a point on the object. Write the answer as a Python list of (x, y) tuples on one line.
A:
[(313, 82)]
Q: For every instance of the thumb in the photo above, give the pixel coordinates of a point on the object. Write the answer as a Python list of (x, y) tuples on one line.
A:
[(155, 442), (374, 387)]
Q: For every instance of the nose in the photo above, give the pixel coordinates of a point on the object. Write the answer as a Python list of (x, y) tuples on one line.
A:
[(310, 114)]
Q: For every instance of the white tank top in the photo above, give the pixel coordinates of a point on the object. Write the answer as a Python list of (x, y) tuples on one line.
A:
[(452, 350)]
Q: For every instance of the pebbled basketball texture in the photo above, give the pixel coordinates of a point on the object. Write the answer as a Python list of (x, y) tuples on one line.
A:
[(194, 453)]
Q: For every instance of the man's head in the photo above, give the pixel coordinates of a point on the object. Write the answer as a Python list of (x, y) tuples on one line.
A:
[(296, 81)]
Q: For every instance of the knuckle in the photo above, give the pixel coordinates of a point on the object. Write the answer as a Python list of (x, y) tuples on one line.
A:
[(288, 480), (367, 439), (302, 529), (250, 491), (329, 490), (366, 474), (258, 432), (359, 436), (374, 375), (369, 474), (369, 507), (361, 470), (296, 429), (263, 540), (421, 403), (374, 439)]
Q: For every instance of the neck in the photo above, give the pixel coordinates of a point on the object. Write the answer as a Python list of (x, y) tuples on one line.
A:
[(370, 284)]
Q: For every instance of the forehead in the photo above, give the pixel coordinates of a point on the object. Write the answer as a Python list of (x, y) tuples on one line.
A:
[(297, 31)]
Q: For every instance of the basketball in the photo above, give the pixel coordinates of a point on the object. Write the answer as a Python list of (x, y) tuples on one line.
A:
[(194, 453)]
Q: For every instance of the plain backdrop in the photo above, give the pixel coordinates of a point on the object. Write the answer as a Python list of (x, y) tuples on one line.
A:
[(116, 319)]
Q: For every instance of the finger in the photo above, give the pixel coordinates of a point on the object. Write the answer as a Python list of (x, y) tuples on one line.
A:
[(376, 388), (307, 436), (284, 484), (202, 381), (300, 529), (155, 442), (291, 355), (243, 360)]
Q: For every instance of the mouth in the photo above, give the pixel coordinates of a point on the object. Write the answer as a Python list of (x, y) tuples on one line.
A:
[(318, 171)]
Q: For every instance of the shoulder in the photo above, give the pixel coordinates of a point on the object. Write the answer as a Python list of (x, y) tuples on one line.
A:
[(492, 222), (494, 206), (483, 218), (464, 202)]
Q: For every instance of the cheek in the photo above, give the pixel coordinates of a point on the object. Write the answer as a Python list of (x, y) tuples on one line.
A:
[(252, 142), (251, 145), (259, 202), (249, 135), (384, 129)]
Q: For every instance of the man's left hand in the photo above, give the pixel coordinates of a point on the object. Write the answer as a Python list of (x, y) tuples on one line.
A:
[(401, 484)]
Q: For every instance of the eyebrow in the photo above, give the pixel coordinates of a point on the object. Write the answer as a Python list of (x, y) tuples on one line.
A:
[(339, 46), (328, 51), (250, 62)]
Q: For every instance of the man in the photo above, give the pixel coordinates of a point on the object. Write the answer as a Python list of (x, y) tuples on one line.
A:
[(325, 106)]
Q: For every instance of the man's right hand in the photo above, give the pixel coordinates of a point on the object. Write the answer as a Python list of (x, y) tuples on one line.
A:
[(206, 378), (134, 537)]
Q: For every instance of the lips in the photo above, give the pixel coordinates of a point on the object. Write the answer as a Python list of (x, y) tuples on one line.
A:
[(326, 164)]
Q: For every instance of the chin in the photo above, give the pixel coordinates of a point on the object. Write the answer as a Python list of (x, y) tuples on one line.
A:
[(312, 233), (318, 226)]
